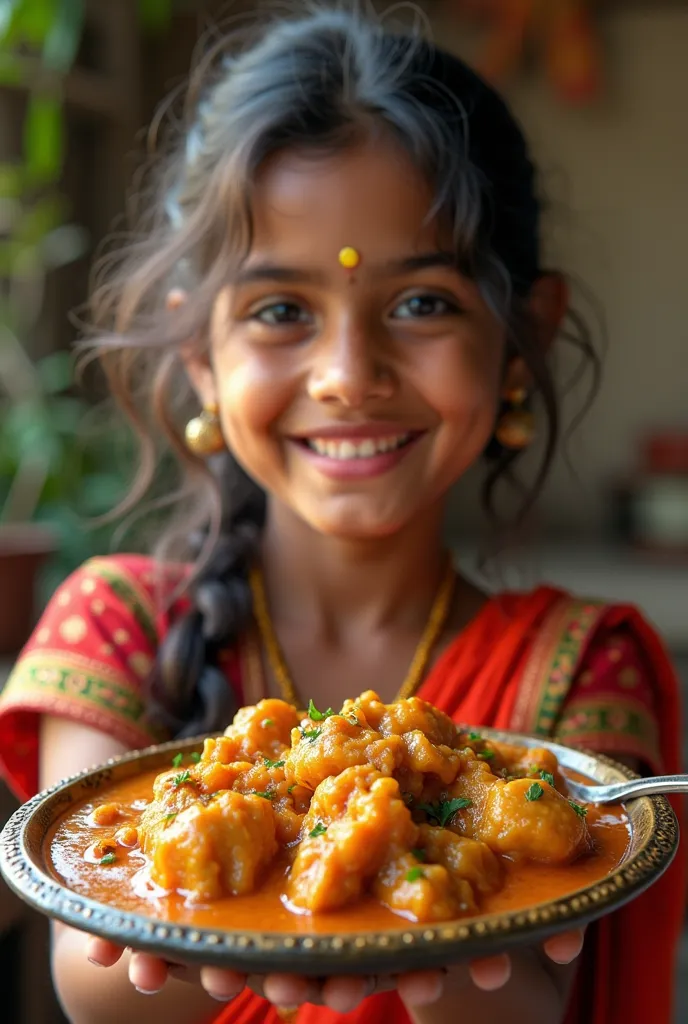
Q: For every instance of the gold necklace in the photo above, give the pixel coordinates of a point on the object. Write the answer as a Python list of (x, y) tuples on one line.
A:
[(436, 621)]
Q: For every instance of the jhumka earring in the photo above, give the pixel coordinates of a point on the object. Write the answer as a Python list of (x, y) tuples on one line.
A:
[(516, 426), (203, 434)]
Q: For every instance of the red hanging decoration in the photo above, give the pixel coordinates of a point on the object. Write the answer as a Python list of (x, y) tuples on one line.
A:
[(561, 32)]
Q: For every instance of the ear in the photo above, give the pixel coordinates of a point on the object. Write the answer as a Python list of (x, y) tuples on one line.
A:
[(195, 359), (547, 303)]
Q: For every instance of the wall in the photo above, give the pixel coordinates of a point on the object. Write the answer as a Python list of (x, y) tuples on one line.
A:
[(616, 176)]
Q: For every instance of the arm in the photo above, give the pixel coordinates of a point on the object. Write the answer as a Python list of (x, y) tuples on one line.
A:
[(90, 994)]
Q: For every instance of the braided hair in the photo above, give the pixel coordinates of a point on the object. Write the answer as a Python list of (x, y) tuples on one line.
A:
[(316, 82)]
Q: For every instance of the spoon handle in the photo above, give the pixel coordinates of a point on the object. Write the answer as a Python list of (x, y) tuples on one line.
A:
[(659, 784)]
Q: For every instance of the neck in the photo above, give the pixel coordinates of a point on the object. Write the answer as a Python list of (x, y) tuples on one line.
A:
[(329, 583)]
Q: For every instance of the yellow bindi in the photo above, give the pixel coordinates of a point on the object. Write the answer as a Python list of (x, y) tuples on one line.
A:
[(349, 258)]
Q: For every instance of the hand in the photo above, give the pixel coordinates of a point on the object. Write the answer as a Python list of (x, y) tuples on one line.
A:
[(148, 974)]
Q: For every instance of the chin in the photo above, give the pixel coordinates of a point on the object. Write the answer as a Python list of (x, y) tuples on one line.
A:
[(355, 528)]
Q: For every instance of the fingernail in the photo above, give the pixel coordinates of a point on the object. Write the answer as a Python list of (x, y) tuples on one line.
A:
[(147, 991), (96, 963), (221, 999)]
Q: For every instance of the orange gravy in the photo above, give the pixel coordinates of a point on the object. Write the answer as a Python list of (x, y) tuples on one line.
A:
[(122, 884)]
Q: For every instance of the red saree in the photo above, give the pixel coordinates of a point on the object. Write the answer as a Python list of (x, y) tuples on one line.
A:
[(538, 663)]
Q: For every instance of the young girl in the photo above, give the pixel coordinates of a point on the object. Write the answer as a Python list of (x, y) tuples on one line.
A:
[(342, 260)]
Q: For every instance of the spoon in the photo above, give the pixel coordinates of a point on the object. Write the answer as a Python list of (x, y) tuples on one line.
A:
[(619, 792)]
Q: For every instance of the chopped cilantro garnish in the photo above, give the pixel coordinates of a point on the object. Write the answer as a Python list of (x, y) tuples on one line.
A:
[(474, 736), (273, 764), (311, 734), (487, 755), (419, 854), (267, 722), (319, 830), (109, 858), (266, 795), (581, 811), (318, 716), (177, 760), (292, 788), (444, 810), (547, 777), (195, 757), (414, 874), (170, 817), (183, 777), (534, 792)]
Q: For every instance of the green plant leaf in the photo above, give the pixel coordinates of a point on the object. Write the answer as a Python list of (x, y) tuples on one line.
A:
[(44, 138), (11, 179), (11, 13), (56, 372), (33, 20), (11, 69), (63, 39)]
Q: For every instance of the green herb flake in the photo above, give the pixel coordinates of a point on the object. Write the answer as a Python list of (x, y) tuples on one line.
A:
[(177, 760), (311, 734), (547, 777), (109, 858), (474, 736), (267, 722), (318, 716), (292, 788), (273, 764), (419, 854), (580, 811), (266, 795), (487, 755), (170, 817), (414, 874), (182, 778), (534, 792), (195, 757), (444, 810), (319, 830)]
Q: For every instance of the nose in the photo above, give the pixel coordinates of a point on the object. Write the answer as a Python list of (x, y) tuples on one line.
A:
[(350, 368)]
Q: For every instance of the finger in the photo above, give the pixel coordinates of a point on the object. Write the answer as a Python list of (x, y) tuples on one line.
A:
[(490, 973), (564, 948), (420, 988), (102, 952), (287, 990), (147, 973), (221, 984), (344, 994)]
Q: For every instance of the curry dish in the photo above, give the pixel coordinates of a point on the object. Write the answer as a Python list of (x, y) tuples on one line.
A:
[(322, 813)]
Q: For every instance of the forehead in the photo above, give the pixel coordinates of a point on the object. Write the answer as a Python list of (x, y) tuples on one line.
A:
[(370, 196)]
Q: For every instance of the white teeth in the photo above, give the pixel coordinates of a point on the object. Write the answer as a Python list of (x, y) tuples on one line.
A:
[(364, 449)]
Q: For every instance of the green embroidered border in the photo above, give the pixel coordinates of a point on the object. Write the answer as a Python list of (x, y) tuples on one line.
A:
[(557, 679), (128, 591), (587, 719), (44, 675)]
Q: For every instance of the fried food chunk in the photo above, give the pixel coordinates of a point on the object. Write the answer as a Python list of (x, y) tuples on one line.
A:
[(354, 820), (531, 820), (213, 849), (322, 749), (422, 892)]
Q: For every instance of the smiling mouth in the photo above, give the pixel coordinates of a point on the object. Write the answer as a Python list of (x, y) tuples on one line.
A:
[(349, 449)]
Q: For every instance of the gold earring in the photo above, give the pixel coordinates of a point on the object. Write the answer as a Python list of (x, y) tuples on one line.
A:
[(516, 426), (203, 434)]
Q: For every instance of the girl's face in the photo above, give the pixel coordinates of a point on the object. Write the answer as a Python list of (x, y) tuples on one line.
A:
[(355, 398)]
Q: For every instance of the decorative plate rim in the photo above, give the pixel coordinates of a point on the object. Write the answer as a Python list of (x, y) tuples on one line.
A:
[(426, 944)]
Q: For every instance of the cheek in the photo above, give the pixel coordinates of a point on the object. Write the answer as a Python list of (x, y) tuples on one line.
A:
[(252, 397), (464, 387)]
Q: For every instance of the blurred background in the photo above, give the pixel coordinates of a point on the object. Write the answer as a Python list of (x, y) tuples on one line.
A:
[(601, 89)]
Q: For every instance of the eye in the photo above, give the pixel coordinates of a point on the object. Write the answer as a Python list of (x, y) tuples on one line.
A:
[(420, 307), (278, 314)]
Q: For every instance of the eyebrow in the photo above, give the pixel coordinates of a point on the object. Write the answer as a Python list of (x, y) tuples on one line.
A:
[(274, 272)]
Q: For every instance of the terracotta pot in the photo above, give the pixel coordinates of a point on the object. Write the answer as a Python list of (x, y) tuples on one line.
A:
[(23, 550)]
